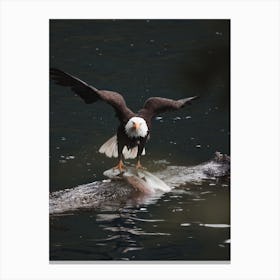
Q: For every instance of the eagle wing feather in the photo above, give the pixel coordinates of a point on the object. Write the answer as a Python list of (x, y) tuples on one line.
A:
[(91, 94), (158, 105)]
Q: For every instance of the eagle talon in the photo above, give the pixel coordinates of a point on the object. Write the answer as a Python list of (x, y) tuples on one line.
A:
[(139, 166), (120, 166)]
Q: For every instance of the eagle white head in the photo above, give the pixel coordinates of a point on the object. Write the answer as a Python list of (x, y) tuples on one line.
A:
[(136, 127)]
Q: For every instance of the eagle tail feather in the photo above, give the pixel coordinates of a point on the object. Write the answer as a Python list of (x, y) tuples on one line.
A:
[(110, 149)]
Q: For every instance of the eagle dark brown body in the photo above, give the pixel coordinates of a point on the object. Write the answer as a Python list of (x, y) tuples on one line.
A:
[(134, 129)]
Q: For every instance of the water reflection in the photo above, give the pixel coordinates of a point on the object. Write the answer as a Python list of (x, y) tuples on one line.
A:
[(151, 231)]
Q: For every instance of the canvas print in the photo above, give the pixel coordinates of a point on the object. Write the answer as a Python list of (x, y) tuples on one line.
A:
[(139, 140)]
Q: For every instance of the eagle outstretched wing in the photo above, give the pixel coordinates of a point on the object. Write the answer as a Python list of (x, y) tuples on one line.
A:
[(91, 94), (158, 105)]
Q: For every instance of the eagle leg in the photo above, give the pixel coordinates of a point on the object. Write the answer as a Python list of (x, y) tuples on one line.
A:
[(120, 166), (139, 165), (139, 153)]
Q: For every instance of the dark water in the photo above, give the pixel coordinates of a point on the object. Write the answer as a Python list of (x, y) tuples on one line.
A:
[(139, 59)]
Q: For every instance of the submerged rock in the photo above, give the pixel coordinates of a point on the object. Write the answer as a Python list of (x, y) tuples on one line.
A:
[(135, 186)]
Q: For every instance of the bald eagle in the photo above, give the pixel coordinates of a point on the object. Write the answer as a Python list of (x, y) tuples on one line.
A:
[(134, 129)]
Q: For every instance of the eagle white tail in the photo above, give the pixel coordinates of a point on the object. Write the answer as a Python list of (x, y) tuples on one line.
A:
[(110, 149)]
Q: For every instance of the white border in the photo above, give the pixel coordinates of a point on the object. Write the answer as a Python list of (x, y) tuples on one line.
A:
[(254, 128)]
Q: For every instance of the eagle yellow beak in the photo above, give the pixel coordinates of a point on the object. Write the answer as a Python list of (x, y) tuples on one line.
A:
[(136, 125)]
